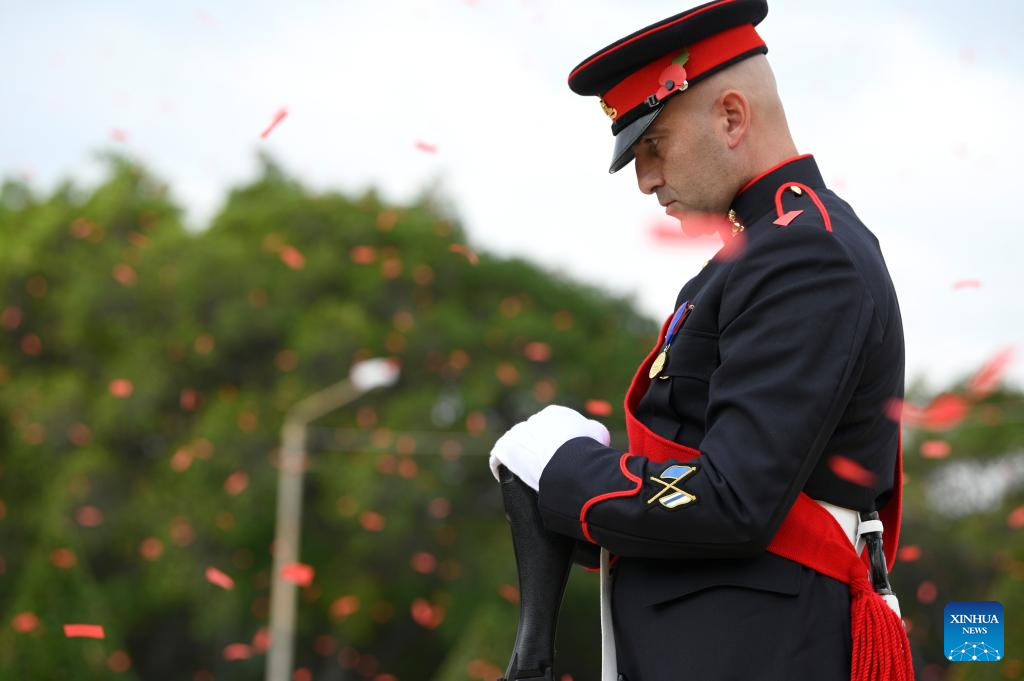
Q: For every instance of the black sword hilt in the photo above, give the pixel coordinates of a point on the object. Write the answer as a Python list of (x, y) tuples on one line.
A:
[(876, 557), (543, 560)]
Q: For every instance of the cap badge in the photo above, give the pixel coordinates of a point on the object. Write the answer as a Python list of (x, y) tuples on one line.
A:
[(609, 111), (672, 78)]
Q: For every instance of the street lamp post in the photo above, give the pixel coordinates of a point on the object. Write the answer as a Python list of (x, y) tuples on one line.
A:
[(365, 376)]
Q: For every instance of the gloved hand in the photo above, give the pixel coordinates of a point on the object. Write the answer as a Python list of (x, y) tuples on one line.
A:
[(526, 447)]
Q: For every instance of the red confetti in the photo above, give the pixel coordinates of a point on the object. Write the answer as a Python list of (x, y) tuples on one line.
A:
[(909, 553), (63, 558), (598, 407), (83, 631), (89, 516), (439, 508), (537, 352), (10, 318), (25, 622), (236, 483), (967, 283), (261, 640), (218, 578), (363, 255), (278, 117), (121, 387), (427, 148), (851, 471), (118, 135), (426, 615), (119, 662), (189, 399), (151, 548), (944, 412), (927, 591), (463, 249), (292, 257), (423, 562), (371, 521), (299, 573), (237, 651), (1016, 518), (935, 449), (509, 593), (125, 274), (989, 376), (784, 220), (345, 606)]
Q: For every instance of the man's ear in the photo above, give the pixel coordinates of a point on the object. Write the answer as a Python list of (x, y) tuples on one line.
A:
[(733, 109)]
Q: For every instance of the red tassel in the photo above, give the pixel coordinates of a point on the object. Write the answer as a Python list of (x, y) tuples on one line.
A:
[(881, 651)]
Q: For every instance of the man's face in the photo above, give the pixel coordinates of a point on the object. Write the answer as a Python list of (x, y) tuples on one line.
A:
[(680, 159)]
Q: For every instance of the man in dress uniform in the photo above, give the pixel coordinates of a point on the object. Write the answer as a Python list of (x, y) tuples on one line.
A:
[(761, 424)]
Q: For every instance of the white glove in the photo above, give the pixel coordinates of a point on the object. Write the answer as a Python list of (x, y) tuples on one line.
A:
[(526, 447)]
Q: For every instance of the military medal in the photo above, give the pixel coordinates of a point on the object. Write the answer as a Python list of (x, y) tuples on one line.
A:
[(673, 328)]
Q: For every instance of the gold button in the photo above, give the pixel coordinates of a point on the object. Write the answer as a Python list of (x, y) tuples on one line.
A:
[(705, 264), (796, 190)]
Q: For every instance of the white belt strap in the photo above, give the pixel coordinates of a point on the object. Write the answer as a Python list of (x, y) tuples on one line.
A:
[(855, 529), (609, 664)]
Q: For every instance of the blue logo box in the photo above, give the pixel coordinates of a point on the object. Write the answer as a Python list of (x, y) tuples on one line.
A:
[(973, 631)]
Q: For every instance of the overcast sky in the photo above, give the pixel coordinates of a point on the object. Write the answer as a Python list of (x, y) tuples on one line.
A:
[(911, 108)]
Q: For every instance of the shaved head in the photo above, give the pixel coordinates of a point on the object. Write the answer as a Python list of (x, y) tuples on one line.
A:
[(713, 138)]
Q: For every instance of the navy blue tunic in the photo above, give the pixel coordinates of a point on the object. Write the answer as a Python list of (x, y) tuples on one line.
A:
[(791, 355)]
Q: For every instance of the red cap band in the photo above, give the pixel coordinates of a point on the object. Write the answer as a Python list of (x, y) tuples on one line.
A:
[(705, 55)]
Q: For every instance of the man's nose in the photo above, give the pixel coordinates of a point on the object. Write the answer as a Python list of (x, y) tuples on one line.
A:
[(648, 176)]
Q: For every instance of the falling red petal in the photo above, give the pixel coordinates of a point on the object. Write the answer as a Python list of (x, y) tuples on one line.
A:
[(989, 376), (25, 622), (299, 573), (423, 562), (927, 591), (426, 148), (83, 631), (1016, 518), (121, 387), (537, 352), (426, 615), (463, 249), (237, 651), (935, 449), (851, 471), (344, 606), (598, 407), (261, 640), (945, 412), (89, 516), (278, 117), (218, 578), (292, 257), (909, 554), (509, 593), (967, 283), (236, 483), (371, 521)]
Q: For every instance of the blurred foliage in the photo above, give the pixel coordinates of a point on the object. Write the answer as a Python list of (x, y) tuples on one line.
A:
[(145, 373)]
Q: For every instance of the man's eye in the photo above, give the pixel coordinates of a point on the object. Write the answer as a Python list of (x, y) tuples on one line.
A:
[(651, 141)]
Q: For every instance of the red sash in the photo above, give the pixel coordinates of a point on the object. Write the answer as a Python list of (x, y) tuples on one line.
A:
[(811, 536)]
